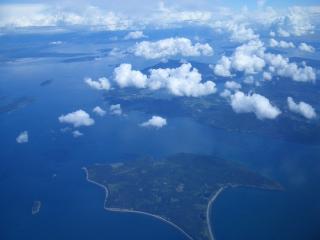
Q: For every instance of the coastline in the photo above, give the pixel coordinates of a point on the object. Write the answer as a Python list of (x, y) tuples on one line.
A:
[(209, 206), (209, 210), (123, 210)]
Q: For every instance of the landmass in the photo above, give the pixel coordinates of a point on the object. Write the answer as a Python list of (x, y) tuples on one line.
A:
[(178, 190), (36, 207)]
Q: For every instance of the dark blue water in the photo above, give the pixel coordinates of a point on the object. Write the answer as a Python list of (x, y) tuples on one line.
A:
[(48, 168)]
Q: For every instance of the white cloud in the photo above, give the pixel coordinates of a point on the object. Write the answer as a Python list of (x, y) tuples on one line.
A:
[(115, 109), (241, 33), (248, 57), (306, 47), (232, 85), (181, 81), (101, 84), (267, 76), (254, 103), (77, 119), (249, 80), (281, 44), (301, 108), (124, 76), (56, 43), (46, 15), (99, 111), (297, 22), (134, 35), (77, 134), (251, 58), (23, 137), (226, 93), (280, 66), (223, 67), (171, 47), (155, 121)]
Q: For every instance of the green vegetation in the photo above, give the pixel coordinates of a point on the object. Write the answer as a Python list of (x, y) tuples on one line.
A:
[(177, 188)]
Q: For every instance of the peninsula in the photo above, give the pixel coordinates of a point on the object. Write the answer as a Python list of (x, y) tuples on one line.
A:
[(178, 190)]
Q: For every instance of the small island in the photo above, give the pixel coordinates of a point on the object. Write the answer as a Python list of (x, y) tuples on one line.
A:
[(178, 190), (36, 207)]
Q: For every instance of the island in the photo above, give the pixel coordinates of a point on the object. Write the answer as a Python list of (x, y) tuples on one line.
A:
[(178, 190), (36, 207)]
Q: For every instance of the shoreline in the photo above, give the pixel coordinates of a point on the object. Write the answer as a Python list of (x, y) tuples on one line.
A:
[(123, 210), (209, 210), (209, 206)]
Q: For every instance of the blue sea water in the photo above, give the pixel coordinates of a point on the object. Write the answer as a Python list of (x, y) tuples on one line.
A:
[(48, 168)]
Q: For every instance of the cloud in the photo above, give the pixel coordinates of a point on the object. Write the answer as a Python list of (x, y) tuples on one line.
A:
[(252, 58), (267, 76), (115, 109), (171, 47), (155, 121), (306, 47), (182, 81), (241, 33), (124, 76), (23, 137), (281, 44), (49, 15), (77, 119), (232, 85), (248, 57), (134, 35), (280, 66), (77, 134), (99, 111), (101, 84), (296, 22), (301, 108), (222, 68), (254, 103), (226, 93)]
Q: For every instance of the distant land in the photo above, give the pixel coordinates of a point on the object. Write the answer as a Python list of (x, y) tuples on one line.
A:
[(178, 190)]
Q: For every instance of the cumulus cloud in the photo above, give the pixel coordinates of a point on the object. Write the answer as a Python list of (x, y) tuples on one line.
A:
[(296, 22), (306, 47), (232, 85), (222, 68), (135, 35), (101, 84), (301, 108), (254, 103), (182, 81), (248, 57), (267, 76), (155, 121), (252, 58), (77, 134), (226, 93), (281, 44), (77, 119), (171, 47), (280, 66), (115, 109), (23, 137), (124, 76), (99, 111)]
